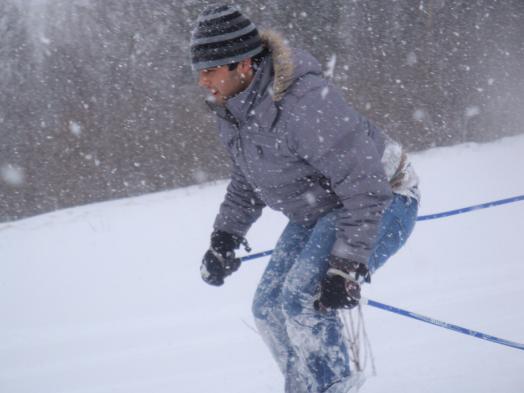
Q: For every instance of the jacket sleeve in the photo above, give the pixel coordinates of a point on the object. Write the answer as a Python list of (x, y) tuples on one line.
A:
[(241, 206), (336, 141)]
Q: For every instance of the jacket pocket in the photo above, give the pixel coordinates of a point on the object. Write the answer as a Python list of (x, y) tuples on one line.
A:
[(265, 144)]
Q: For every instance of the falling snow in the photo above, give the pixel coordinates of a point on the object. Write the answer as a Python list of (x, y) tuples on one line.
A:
[(75, 128), (100, 86), (411, 59), (418, 115), (12, 175), (472, 111), (324, 92), (330, 71)]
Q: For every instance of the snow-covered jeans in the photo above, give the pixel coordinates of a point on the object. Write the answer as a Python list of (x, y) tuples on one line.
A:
[(309, 346)]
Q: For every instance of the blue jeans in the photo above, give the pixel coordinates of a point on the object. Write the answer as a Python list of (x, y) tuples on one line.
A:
[(307, 345)]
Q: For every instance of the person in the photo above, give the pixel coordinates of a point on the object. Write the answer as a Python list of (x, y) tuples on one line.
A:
[(349, 192)]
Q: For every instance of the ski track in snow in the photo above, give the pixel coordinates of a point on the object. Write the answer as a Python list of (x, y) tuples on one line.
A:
[(108, 298)]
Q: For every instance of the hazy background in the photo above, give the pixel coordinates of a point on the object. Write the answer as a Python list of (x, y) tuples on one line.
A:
[(98, 100)]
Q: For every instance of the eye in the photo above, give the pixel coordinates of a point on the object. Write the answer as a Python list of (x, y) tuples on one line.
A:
[(211, 70)]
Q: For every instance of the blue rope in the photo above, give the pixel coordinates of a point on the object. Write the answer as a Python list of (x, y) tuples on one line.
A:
[(471, 208), (423, 318), (445, 325), (425, 218)]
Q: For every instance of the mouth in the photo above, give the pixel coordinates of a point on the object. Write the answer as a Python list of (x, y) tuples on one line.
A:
[(212, 95)]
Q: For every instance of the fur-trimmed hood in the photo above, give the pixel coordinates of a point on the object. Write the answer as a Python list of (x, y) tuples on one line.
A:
[(289, 64)]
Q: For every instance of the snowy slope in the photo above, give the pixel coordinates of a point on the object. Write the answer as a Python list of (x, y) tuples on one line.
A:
[(108, 298)]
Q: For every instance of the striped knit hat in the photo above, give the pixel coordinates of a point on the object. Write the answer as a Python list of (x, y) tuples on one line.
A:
[(223, 36)]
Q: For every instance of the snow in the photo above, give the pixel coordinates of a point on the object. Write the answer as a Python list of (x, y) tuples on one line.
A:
[(330, 69), (12, 175), (472, 111), (108, 298), (419, 115), (412, 59), (75, 128), (324, 92)]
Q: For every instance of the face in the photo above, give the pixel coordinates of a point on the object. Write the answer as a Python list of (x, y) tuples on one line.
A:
[(223, 83)]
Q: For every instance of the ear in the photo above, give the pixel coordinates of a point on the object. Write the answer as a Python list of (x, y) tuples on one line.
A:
[(245, 66)]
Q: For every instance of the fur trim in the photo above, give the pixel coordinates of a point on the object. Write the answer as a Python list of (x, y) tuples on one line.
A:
[(282, 62)]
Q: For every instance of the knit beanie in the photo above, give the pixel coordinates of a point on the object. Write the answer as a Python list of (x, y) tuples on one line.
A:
[(223, 36)]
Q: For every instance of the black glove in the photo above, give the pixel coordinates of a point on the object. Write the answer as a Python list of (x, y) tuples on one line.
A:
[(340, 288), (219, 261)]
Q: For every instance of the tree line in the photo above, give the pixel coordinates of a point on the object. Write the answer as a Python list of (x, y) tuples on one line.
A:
[(98, 100)]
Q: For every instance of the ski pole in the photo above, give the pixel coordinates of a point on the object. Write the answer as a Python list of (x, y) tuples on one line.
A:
[(471, 208), (442, 324), (416, 316), (426, 218)]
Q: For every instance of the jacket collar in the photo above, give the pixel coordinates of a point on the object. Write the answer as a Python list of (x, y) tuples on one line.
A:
[(241, 105)]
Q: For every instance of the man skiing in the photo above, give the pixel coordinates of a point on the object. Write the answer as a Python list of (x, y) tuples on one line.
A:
[(349, 192)]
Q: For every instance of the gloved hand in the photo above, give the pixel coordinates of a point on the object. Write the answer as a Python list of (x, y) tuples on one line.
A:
[(219, 261), (340, 288)]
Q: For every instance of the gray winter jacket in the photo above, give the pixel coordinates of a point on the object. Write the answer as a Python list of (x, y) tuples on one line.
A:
[(299, 148)]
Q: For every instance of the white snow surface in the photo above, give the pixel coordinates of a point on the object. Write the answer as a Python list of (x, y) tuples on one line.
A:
[(108, 297)]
